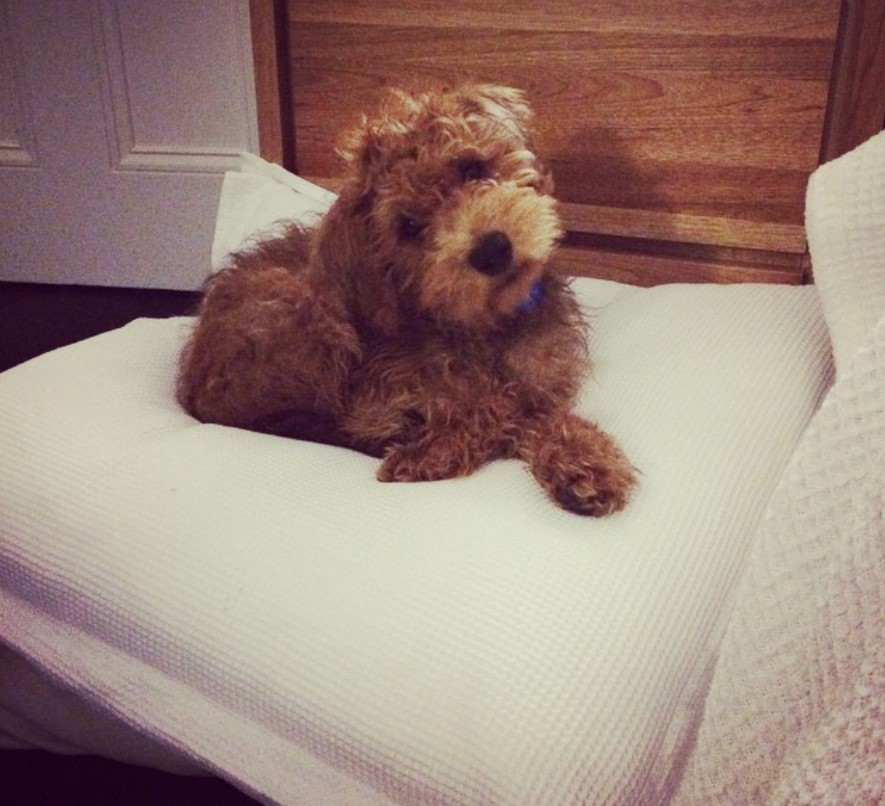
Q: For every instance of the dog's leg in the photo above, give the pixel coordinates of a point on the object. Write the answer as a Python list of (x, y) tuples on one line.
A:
[(434, 457), (421, 435), (267, 351), (420, 442), (580, 466)]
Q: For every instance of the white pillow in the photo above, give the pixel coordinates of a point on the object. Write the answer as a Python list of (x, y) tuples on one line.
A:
[(845, 222), (257, 199), (271, 612)]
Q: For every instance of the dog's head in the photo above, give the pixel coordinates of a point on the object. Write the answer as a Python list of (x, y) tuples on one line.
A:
[(451, 207)]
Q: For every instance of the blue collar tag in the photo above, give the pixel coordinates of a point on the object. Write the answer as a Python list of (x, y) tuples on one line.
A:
[(536, 295)]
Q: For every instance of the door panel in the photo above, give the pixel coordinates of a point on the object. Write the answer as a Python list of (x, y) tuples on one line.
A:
[(116, 126)]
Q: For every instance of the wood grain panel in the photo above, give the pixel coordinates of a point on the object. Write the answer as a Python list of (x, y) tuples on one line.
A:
[(646, 269), (622, 103), (683, 228), (265, 24), (689, 121), (856, 107), (767, 18)]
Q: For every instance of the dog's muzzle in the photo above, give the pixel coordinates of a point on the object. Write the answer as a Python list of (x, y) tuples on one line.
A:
[(492, 254)]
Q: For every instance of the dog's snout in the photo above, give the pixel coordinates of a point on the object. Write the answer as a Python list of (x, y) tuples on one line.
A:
[(492, 254)]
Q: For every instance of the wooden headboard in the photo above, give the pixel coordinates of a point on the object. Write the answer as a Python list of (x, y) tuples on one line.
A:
[(681, 135)]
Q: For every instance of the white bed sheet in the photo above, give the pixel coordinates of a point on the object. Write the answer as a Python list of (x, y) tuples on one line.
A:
[(264, 609)]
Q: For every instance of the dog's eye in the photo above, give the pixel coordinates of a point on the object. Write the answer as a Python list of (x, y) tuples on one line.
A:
[(473, 171), (410, 228)]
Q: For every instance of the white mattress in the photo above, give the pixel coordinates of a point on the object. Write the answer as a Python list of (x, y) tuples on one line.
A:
[(264, 609)]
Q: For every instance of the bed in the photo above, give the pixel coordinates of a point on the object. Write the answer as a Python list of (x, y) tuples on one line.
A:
[(206, 600)]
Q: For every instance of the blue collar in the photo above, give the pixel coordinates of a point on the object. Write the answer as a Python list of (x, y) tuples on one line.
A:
[(536, 295)]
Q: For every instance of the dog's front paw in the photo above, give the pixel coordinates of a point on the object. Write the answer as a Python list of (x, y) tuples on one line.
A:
[(426, 461), (583, 469), (590, 489)]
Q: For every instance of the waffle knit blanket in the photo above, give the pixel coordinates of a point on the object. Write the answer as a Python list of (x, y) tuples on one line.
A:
[(796, 711)]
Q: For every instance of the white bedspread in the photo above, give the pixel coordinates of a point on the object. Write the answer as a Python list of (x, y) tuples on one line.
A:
[(796, 712)]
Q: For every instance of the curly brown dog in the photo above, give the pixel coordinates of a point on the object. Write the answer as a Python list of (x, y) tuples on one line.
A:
[(422, 320)]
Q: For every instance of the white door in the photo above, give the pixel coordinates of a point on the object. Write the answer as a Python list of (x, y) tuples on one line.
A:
[(118, 119)]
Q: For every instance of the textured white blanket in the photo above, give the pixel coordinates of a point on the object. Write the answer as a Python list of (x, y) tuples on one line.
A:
[(796, 711)]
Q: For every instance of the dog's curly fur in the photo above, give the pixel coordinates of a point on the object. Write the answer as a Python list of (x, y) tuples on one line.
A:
[(422, 321)]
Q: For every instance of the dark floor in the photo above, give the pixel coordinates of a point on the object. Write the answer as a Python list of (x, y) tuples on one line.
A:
[(34, 319), (34, 778)]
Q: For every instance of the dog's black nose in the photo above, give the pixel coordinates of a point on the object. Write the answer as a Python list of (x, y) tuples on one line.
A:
[(492, 254)]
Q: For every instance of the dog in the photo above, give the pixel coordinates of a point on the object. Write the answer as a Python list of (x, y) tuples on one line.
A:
[(422, 321)]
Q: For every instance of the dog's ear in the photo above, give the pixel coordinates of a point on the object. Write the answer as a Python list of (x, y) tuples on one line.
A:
[(343, 248), (361, 148), (368, 146), (504, 105)]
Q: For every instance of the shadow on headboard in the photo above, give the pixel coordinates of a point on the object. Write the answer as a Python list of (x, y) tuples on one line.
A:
[(681, 135)]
